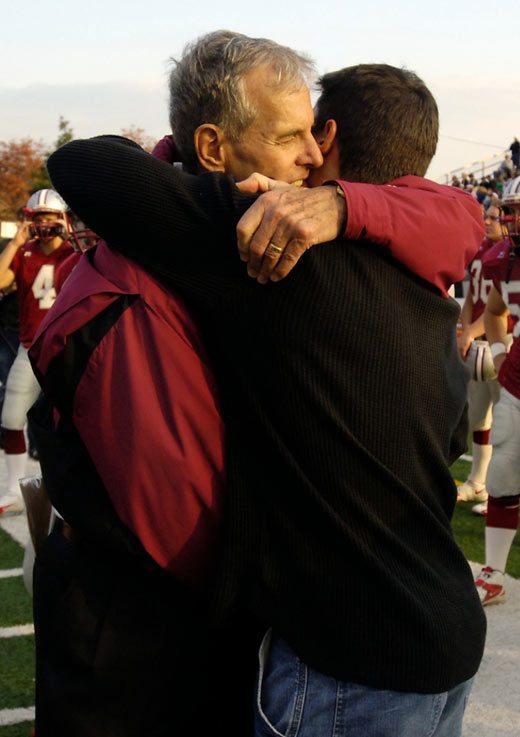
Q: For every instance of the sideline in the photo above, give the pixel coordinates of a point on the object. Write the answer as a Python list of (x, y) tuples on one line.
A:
[(494, 705), (16, 716)]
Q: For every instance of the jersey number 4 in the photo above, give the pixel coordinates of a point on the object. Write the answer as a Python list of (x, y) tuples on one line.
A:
[(43, 287)]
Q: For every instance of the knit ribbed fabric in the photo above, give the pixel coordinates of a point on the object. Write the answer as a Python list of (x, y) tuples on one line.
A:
[(344, 400)]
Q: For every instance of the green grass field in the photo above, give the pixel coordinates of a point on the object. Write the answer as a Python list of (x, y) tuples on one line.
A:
[(469, 529), (17, 653)]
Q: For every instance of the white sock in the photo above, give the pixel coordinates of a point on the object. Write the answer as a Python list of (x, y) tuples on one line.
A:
[(16, 464), (498, 545), (479, 467)]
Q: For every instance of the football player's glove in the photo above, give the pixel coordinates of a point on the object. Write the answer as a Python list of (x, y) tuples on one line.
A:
[(480, 361)]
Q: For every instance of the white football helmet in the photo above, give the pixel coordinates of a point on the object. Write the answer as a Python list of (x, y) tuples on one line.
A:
[(511, 196), (48, 201), (480, 361), (510, 218)]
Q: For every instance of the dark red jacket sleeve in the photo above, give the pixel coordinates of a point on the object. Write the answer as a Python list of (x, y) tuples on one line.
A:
[(434, 230)]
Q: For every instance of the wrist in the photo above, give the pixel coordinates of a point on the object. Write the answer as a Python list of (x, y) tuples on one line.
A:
[(340, 202), (15, 243), (497, 349)]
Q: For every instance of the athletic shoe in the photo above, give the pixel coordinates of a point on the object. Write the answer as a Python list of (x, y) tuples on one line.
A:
[(480, 509), (10, 504), (470, 491), (490, 586)]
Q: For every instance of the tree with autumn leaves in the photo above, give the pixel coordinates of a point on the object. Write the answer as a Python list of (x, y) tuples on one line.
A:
[(23, 167), (19, 162)]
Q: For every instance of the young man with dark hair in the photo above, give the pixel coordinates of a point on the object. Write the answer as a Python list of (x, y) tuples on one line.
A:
[(389, 121), (337, 532)]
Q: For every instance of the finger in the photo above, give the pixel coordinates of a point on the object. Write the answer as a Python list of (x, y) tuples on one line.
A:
[(275, 249), (268, 245), (296, 235), (254, 183), (288, 259), (265, 234), (248, 185), (280, 222), (247, 227), (270, 260)]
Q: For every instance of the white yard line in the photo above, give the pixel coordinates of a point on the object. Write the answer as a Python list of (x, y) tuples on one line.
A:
[(15, 716), (11, 572), (18, 631)]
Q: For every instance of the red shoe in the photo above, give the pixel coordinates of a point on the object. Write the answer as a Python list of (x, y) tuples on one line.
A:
[(490, 586)]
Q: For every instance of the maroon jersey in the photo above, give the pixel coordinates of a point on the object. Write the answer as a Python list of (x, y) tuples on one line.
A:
[(64, 270), (35, 273), (479, 288), (509, 376), (505, 274)]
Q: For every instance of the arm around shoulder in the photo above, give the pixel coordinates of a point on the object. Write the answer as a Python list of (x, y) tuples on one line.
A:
[(434, 230), (143, 207)]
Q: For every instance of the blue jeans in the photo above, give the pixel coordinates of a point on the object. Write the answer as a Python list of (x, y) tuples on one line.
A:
[(294, 700)]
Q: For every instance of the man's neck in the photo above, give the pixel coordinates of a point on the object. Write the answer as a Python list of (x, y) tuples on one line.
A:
[(50, 246)]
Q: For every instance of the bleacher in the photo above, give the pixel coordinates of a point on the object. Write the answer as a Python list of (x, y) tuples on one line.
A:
[(479, 169)]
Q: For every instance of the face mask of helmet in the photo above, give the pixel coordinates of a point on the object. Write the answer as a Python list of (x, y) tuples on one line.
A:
[(82, 238), (46, 231), (510, 215)]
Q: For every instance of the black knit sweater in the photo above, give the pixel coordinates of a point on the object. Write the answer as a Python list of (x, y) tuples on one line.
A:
[(344, 400)]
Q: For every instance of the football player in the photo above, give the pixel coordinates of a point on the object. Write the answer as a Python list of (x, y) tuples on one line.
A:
[(503, 478), (30, 259), (482, 393)]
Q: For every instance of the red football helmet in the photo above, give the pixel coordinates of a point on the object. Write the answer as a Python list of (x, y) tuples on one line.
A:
[(81, 236)]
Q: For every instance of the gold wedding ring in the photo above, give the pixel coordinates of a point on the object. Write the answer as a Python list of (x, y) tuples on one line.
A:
[(274, 247)]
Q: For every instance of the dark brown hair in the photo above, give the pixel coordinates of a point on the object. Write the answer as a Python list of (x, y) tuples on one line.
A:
[(388, 122)]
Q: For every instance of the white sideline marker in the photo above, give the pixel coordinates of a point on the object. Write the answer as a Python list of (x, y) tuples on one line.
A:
[(16, 716), (18, 631), (11, 572)]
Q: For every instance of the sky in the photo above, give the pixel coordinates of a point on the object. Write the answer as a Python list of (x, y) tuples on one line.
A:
[(103, 65)]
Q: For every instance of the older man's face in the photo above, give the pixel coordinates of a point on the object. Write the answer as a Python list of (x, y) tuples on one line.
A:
[(279, 143)]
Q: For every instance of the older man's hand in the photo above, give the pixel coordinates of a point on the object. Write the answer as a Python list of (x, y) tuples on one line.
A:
[(284, 223)]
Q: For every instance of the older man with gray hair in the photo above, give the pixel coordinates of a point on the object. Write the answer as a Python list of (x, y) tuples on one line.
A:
[(124, 645), (226, 84)]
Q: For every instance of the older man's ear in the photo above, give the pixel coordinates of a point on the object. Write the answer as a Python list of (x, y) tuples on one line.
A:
[(208, 139)]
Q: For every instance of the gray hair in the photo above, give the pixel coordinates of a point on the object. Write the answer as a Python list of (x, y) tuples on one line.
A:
[(206, 84)]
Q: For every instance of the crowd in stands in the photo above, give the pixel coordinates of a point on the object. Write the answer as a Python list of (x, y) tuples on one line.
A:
[(489, 189)]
